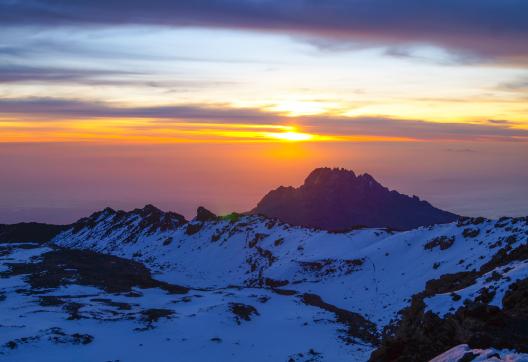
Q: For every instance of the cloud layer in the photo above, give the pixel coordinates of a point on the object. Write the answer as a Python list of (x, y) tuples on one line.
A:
[(165, 119), (488, 28)]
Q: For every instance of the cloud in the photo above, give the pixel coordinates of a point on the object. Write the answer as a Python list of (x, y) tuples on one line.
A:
[(501, 122), (87, 76), (15, 73), (341, 128), (493, 29), (66, 109), (416, 129), (519, 85), (436, 56)]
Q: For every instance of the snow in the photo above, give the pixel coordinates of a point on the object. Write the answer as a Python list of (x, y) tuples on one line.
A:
[(395, 265), (372, 272), (481, 355), (281, 329)]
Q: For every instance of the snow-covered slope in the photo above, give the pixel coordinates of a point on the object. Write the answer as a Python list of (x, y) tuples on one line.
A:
[(79, 319), (458, 353), (371, 271), (307, 294)]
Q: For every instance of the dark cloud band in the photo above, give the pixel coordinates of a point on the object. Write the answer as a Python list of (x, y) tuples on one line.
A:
[(51, 108), (42, 110), (490, 28)]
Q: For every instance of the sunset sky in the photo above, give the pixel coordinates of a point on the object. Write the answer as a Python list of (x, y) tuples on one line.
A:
[(215, 102)]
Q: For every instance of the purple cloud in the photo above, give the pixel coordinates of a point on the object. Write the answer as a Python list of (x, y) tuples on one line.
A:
[(488, 28)]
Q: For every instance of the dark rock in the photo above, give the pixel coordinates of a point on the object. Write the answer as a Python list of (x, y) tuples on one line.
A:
[(268, 255), (154, 314), (278, 242), (57, 335), (151, 220), (337, 200), (449, 283), (420, 335), (242, 311), (485, 296), (358, 326), (193, 228), (455, 297), (72, 309), (273, 283), (468, 357), (203, 215), (256, 239), (11, 345), (285, 292), (470, 233), (327, 267), (82, 338), (443, 242), (50, 301), (29, 232), (69, 266), (465, 221)]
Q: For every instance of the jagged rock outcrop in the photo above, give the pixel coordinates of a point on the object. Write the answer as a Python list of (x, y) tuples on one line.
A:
[(337, 199), (202, 214), (480, 323), (133, 224)]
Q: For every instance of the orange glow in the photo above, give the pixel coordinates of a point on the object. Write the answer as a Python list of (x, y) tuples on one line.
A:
[(291, 136), (153, 131), (148, 131)]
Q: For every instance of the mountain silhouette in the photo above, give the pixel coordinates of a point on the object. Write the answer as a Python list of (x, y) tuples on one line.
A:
[(336, 199)]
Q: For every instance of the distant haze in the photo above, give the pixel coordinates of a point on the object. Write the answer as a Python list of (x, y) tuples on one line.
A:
[(61, 182)]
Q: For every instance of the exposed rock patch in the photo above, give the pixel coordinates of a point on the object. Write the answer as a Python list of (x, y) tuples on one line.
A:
[(70, 266), (442, 242), (203, 215), (421, 335), (243, 311), (358, 326)]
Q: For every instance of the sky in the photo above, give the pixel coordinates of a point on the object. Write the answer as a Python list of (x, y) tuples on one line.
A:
[(216, 102)]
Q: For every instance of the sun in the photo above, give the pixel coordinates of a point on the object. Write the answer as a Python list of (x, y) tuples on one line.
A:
[(291, 136)]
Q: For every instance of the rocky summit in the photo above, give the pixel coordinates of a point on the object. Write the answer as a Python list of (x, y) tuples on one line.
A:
[(337, 199)]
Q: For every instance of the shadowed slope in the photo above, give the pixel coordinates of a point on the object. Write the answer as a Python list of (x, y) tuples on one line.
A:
[(337, 199)]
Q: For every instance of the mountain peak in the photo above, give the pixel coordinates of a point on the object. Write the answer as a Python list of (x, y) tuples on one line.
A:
[(338, 199), (202, 214), (325, 175), (150, 209), (108, 210), (148, 218), (338, 178)]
